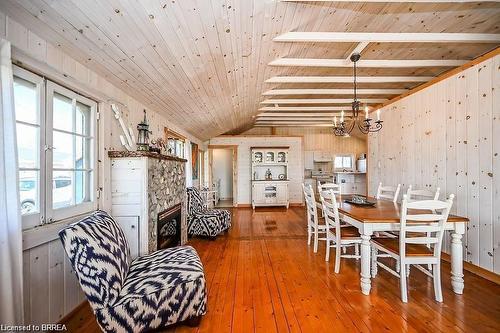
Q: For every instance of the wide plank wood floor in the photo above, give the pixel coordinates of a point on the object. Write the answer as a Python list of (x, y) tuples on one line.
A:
[(262, 277)]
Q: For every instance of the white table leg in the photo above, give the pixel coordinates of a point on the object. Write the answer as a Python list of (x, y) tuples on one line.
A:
[(457, 267), (365, 263)]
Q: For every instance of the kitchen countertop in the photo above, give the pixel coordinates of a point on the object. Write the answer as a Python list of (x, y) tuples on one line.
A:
[(270, 180)]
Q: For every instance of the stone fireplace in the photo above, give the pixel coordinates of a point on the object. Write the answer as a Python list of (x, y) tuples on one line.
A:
[(168, 227), (149, 185)]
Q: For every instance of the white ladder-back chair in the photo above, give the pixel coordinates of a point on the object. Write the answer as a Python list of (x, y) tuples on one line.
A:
[(338, 236), (325, 187), (315, 226), (423, 194), (413, 195), (329, 187), (417, 217), (388, 192)]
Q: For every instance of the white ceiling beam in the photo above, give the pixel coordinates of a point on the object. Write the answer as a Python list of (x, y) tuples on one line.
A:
[(325, 119), (296, 123), (293, 125), (302, 108), (347, 79), (321, 101), (275, 92), (394, 1), (405, 63), (386, 37), (301, 114), (358, 49)]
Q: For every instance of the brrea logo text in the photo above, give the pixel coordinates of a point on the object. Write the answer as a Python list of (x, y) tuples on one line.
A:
[(33, 328)]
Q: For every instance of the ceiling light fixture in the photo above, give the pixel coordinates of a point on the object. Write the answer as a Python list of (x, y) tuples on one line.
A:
[(345, 126)]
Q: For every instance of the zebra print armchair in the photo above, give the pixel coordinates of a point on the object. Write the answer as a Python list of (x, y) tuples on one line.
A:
[(203, 221), (152, 291)]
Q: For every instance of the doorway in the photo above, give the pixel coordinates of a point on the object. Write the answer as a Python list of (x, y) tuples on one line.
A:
[(223, 174)]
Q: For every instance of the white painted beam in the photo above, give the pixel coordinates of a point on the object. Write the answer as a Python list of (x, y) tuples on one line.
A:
[(394, 1), (321, 101), (292, 125), (301, 114), (324, 119), (302, 108), (275, 92), (405, 63), (386, 37), (347, 79)]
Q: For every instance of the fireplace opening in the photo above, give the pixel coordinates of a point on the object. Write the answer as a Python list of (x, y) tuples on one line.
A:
[(169, 227)]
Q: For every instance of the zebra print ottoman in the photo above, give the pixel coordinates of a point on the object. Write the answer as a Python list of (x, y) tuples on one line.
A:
[(152, 291)]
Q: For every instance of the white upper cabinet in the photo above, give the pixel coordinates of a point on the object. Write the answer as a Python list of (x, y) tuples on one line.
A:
[(323, 156), (308, 160)]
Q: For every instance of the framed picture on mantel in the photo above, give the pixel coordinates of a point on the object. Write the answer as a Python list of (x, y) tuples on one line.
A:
[(195, 161)]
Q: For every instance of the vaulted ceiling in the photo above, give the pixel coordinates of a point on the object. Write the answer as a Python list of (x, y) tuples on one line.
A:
[(204, 63)]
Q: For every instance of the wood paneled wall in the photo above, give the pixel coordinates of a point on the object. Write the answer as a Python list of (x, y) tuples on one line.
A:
[(51, 288), (316, 138), (448, 136)]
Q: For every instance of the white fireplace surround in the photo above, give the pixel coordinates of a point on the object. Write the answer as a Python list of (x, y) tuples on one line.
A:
[(142, 186)]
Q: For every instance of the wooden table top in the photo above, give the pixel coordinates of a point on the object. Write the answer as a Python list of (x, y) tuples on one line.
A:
[(382, 212)]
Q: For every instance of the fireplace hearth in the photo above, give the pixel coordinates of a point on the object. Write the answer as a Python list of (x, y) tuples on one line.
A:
[(169, 227)]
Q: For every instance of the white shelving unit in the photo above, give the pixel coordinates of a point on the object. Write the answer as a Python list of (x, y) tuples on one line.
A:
[(271, 191)]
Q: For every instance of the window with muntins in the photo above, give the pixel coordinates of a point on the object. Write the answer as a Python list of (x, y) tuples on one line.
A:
[(56, 150)]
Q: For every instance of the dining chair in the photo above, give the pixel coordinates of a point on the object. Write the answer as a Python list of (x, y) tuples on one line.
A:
[(329, 186), (410, 248), (422, 194), (316, 227), (322, 187), (338, 236), (388, 192)]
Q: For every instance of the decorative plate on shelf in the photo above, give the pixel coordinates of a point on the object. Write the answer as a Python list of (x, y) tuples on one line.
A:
[(360, 201)]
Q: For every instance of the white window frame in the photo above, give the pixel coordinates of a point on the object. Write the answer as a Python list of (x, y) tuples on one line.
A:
[(85, 207), (45, 90), (351, 156), (34, 219)]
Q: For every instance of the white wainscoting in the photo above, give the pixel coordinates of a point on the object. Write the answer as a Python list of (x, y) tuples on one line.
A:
[(51, 289), (448, 135)]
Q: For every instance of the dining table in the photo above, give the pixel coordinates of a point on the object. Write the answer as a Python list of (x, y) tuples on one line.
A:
[(384, 215)]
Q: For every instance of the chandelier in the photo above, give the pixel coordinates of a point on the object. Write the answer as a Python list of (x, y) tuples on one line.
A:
[(345, 127)]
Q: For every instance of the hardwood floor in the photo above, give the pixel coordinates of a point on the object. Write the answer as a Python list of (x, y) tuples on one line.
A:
[(262, 277)]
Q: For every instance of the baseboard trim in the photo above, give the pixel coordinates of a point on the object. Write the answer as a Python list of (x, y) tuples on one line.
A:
[(244, 205), (294, 204), (479, 271), (72, 313)]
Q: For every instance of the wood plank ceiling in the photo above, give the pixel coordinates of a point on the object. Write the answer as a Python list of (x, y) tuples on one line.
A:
[(204, 63)]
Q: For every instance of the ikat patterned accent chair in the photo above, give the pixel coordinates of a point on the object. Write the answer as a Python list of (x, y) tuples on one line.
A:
[(152, 291), (203, 221)]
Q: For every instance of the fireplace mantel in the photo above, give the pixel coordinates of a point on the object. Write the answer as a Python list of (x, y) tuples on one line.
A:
[(127, 154), (144, 184)]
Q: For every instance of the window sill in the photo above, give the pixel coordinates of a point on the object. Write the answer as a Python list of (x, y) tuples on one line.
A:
[(45, 233)]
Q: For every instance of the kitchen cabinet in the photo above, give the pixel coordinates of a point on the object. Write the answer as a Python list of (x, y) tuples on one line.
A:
[(270, 176), (351, 182), (309, 160), (323, 156), (270, 193)]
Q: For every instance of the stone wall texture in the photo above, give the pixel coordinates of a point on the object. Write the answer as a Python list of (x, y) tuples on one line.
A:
[(166, 187)]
